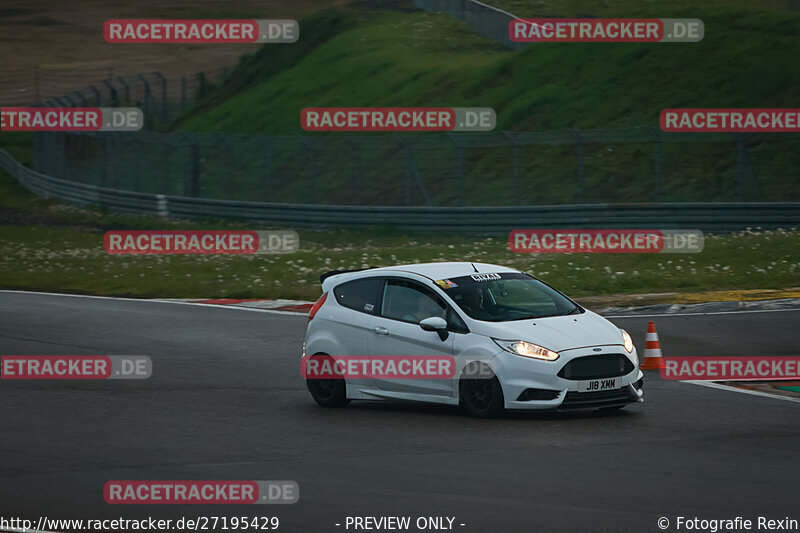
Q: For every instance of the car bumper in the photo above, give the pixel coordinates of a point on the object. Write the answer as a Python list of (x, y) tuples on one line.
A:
[(532, 384)]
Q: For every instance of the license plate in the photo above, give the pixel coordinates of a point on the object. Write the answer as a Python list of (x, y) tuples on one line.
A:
[(597, 385)]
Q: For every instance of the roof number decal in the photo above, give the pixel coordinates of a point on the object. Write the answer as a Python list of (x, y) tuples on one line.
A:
[(485, 277)]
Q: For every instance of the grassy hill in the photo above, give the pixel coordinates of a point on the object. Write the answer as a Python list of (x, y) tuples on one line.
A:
[(414, 58), (386, 53), (346, 58)]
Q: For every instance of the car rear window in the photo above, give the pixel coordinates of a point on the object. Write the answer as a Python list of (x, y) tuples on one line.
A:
[(360, 295)]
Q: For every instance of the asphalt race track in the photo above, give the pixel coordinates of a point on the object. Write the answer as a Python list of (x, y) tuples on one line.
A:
[(226, 401)]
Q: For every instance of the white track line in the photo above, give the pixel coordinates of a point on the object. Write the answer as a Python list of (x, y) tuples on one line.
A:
[(215, 306), (667, 315), (293, 313), (713, 385)]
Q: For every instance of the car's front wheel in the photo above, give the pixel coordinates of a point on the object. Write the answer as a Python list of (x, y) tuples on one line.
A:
[(482, 397)]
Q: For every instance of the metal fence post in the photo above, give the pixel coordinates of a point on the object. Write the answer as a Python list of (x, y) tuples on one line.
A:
[(581, 177), (147, 97), (412, 170), (163, 94), (193, 187), (656, 161), (97, 95), (201, 91), (84, 100), (462, 174), (740, 168), (751, 173), (36, 81), (406, 170), (267, 166), (137, 163), (517, 172), (183, 93), (38, 153), (312, 159), (127, 89), (112, 93), (357, 168)]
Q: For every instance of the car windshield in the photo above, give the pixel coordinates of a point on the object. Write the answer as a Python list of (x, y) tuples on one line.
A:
[(502, 297)]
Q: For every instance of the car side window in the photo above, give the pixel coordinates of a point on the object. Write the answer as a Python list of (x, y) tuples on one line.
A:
[(360, 295), (410, 302), (454, 322)]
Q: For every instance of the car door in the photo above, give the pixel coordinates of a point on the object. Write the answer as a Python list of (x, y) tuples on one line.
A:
[(396, 332)]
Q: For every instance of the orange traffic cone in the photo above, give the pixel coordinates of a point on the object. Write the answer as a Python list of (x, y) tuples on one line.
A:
[(652, 350)]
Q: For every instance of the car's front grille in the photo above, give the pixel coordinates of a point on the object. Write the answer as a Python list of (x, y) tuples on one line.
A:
[(576, 400), (597, 367)]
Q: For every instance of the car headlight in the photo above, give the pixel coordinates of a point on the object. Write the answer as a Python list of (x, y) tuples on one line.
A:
[(627, 341), (527, 349)]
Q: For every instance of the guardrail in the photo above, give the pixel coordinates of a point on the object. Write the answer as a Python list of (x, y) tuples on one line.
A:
[(717, 217), (487, 20)]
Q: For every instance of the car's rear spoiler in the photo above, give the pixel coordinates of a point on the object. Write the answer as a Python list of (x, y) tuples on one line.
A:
[(330, 273)]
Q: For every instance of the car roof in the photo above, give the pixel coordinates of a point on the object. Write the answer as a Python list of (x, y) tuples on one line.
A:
[(433, 271)]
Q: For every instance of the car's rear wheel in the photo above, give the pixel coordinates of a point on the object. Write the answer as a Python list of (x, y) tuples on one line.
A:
[(328, 392), (482, 397)]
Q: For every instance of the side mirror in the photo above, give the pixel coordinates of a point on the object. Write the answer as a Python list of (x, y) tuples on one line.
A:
[(437, 324)]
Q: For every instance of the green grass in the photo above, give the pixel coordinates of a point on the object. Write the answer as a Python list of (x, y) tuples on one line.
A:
[(349, 59), (19, 145), (43, 256), (47, 258), (433, 59)]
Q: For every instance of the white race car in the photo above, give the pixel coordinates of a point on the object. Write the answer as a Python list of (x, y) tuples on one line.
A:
[(515, 342)]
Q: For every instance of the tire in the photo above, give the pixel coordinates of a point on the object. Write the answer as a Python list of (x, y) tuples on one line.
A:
[(482, 398), (328, 392)]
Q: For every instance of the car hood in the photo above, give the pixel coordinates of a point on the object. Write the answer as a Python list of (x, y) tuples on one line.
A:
[(556, 333)]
